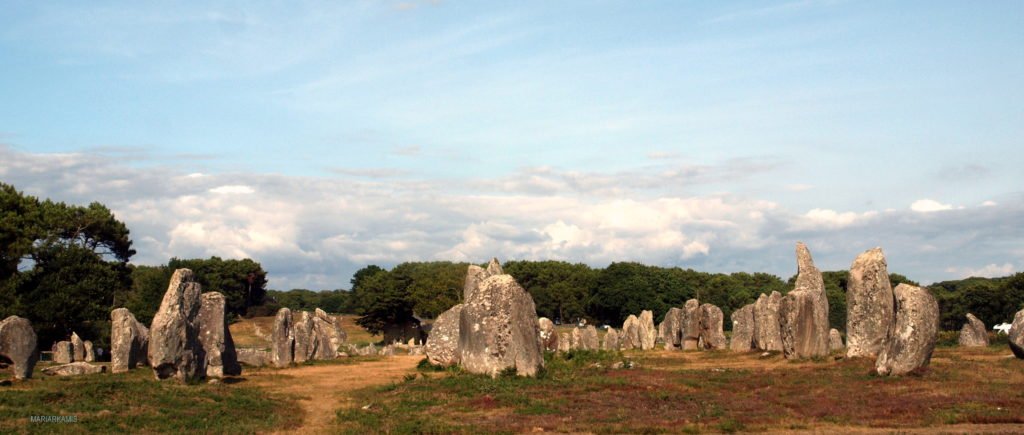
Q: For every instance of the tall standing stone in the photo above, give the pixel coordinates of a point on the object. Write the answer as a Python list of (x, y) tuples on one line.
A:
[(916, 329), (869, 305), (671, 329), (548, 336), (630, 337), (1016, 335), (742, 339), (611, 340), (63, 352), (215, 337), (589, 338), (576, 339), (78, 347), (766, 315), (174, 349), (282, 346), (691, 324), (835, 340), (129, 341), (803, 312), (711, 334), (498, 329), (305, 343), (973, 334), (564, 342), (648, 333), (442, 346), (327, 335), (18, 344), (90, 353)]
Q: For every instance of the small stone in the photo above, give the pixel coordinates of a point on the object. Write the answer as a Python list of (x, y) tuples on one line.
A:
[(835, 340), (74, 369)]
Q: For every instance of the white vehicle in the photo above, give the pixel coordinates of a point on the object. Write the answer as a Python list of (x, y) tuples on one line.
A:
[(1002, 328)]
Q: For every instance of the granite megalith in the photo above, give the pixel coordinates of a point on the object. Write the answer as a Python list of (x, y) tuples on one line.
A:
[(1016, 335), (18, 343), (691, 324), (711, 333), (282, 340), (129, 341), (916, 329), (803, 312), (548, 337), (870, 313), (498, 329), (174, 348), (648, 333), (220, 358), (742, 339), (973, 334), (442, 346), (768, 335)]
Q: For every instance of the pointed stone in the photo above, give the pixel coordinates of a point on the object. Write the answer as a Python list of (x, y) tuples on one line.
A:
[(916, 329), (494, 268), (711, 334), (803, 312), (870, 311), (78, 348), (174, 349), (498, 329), (973, 334), (611, 340), (129, 341), (474, 276)]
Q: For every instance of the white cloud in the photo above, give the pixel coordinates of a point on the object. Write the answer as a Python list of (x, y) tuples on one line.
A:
[(987, 271), (232, 189), (929, 205), (989, 203)]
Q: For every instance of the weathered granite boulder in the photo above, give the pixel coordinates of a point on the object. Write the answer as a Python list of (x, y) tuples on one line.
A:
[(174, 348), (282, 340), (494, 268), (63, 352), (671, 329), (742, 339), (869, 305), (305, 342), (803, 312), (589, 339), (835, 340), (548, 336), (973, 334), (77, 348), (18, 344), (129, 341), (564, 342), (90, 353), (474, 276), (648, 333), (691, 324), (327, 334), (766, 315), (253, 357), (74, 369), (916, 329), (498, 329), (1016, 335), (630, 337), (215, 338), (611, 340), (711, 334), (442, 346)]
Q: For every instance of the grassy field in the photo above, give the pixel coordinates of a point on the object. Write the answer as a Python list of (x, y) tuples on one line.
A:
[(697, 392), (255, 332)]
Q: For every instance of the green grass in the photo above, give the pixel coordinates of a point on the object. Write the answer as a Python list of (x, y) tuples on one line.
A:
[(135, 402)]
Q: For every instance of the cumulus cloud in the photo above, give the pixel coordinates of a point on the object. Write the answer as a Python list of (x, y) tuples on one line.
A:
[(987, 271), (929, 205)]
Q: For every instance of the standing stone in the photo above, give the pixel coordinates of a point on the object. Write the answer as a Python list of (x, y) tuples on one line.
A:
[(803, 312), (648, 333), (78, 347), (564, 342), (576, 337), (442, 346), (916, 329), (630, 337), (129, 341), (499, 329), (711, 334), (835, 340), (494, 268), (174, 349), (18, 344), (253, 357), (1016, 335), (548, 336), (282, 346), (766, 315), (973, 334), (327, 334), (215, 338), (671, 329), (611, 340), (74, 369), (63, 352), (742, 339), (589, 339), (403, 331), (691, 324), (90, 353), (305, 344), (474, 276), (869, 305)]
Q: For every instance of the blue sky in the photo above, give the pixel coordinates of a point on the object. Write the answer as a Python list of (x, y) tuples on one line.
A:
[(318, 137)]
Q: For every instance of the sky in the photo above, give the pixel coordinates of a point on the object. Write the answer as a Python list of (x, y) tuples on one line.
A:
[(317, 138)]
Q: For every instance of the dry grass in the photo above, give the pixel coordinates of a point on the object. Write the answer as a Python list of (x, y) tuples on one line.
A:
[(255, 332)]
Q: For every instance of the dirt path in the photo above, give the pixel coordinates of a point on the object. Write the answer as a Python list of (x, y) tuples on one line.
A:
[(323, 389)]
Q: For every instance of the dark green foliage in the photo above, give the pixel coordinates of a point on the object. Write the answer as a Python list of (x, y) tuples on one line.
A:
[(394, 297), (331, 301), (560, 290), (993, 300)]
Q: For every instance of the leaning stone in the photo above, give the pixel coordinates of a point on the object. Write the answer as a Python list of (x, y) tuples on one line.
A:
[(129, 341), (916, 329), (869, 305), (494, 268), (74, 369), (18, 344), (548, 336), (215, 337), (174, 348), (648, 333), (611, 340), (1016, 335), (973, 334), (803, 312), (589, 339), (766, 315), (711, 334), (63, 352), (630, 337), (671, 329), (742, 339), (499, 330), (282, 340), (78, 347), (442, 346), (253, 357), (835, 340), (691, 324)]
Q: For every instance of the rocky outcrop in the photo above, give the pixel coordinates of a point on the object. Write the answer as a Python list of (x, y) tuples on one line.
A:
[(742, 339), (869, 305), (671, 329), (691, 324), (548, 336), (498, 329), (63, 352), (803, 312), (174, 349), (835, 340), (74, 369), (442, 346), (18, 344), (77, 348), (648, 333), (253, 357), (916, 329), (215, 338), (589, 338), (630, 336), (711, 334), (129, 341), (611, 340), (973, 334), (282, 340), (768, 336), (1016, 337)]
